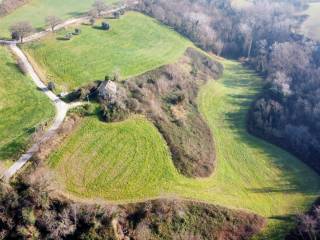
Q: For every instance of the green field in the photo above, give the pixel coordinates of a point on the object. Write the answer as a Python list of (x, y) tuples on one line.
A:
[(128, 161), (135, 44), (311, 27), (37, 10), (22, 107)]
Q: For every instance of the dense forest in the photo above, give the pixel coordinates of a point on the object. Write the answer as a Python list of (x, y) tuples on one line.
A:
[(28, 212), (265, 36)]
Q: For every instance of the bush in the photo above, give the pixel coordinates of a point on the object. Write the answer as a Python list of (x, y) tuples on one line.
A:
[(116, 15), (105, 26), (114, 112), (51, 86), (175, 97), (68, 36), (22, 67), (92, 21), (15, 36), (77, 31)]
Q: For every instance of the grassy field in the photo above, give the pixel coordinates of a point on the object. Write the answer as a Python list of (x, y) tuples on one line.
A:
[(129, 161), (135, 44), (37, 10), (22, 107), (311, 27)]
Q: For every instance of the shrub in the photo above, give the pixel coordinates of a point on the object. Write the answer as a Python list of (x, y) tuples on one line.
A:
[(114, 112), (116, 15), (68, 36), (175, 97), (51, 86), (15, 36), (105, 26), (92, 21), (77, 31)]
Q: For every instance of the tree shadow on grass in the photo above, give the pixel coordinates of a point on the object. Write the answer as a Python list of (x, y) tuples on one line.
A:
[(292, 179), (76, 14), (11, 150), (17, 146)]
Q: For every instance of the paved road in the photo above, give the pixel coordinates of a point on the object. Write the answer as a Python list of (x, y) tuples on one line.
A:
[(61, 107), (61, 111), (66, 23)]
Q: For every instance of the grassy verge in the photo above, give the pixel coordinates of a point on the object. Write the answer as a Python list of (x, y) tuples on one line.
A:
[(22, 108), (37, 10), (128, 161), (135, 44)]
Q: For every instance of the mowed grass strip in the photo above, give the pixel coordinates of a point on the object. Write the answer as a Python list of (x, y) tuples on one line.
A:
[(128, 161), (22, 108), (135, 44), (37, 10), (114, 161)]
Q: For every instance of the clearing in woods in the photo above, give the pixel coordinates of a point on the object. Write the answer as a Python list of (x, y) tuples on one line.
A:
[(129, 161), (37, 10), (135, 44), (22, 108)]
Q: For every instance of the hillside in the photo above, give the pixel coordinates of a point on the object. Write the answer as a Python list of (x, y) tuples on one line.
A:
[(157, 135), (135, 44), (37, 10), (22, 109), (251, 174)]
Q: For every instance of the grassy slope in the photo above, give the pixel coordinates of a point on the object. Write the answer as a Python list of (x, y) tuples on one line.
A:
[(129, 161), (37, 10), (136, 43), (312, 25), (22, 107)]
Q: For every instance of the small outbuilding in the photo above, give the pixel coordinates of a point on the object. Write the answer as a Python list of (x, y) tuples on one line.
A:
[(108, 90)]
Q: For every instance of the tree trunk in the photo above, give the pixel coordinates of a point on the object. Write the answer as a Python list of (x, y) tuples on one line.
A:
[(250, 47)]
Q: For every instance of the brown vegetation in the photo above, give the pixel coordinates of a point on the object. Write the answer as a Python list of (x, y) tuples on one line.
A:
[(167, 96), (8, 6), (307, 227), (29, 211)]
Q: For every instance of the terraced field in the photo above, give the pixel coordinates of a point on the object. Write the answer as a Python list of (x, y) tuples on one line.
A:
[(312, 25), (128, 161), (135, 44), (37, 10), (22, 108)]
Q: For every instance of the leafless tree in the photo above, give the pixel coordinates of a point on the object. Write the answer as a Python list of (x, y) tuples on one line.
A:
[(100, 6), (53, 21), (21, 29)]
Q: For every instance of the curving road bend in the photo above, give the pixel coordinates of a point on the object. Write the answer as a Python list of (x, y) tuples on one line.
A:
[(61, 107), (61, 112)]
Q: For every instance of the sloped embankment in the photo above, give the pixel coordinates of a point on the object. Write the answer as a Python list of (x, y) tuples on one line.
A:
[(28, 211), (167, 97)]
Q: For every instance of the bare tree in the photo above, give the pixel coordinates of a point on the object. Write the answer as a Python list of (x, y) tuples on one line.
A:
[(93, 13), (99, 6), (53, 21), (21, 30)]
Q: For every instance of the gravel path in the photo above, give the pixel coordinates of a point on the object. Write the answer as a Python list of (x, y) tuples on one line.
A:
[(61, 107), (61, 111)]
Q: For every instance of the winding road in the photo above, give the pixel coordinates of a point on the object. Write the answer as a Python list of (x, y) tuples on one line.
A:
[(61, 107), (61, 112)]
